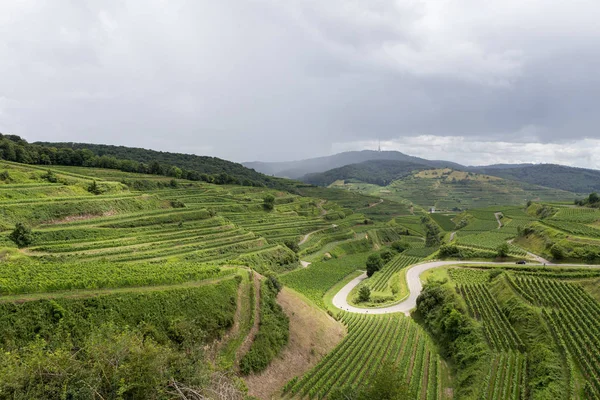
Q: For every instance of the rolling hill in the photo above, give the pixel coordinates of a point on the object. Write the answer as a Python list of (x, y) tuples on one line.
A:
[(359, 165), (378, 172), (297, 169), (157, 283), (449, 189), (129, 159), (578, 180)]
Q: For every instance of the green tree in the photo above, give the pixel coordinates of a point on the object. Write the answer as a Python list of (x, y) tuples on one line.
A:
[(50, 176), (557, 251), (364, 294), (400, 246), (386, 255), (385, 385), (449, 250), (21, 235), (432, 232), (502, 250), (94, 188), (269, 202), (292, 245), (374, 264)]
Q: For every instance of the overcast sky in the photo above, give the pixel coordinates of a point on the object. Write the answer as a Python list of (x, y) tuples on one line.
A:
[(472, 81)]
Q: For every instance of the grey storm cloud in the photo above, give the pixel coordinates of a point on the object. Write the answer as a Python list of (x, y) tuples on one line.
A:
[(276, 80)]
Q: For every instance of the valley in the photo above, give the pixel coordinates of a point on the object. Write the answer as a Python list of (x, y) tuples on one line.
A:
[(141, 285)]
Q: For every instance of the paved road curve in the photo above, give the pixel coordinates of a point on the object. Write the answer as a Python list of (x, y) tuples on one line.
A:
[(414, 286)]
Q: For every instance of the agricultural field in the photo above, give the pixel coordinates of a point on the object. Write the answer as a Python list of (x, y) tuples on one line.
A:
[(450, 190), (186, 275), (516, 308), (561, 233), (395, 343), (315, 280)]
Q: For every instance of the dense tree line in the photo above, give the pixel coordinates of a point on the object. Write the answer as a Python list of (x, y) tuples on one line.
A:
[(593, 200), (127, 159), (460, 339)]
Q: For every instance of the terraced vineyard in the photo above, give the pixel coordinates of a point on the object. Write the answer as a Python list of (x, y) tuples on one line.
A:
[(380, 280), (581, 215), (167, 269), (574, 228), (394, 341), (489, 241), (507, 377), (189, 230), (574, 317), (468, 276), (499, 332)]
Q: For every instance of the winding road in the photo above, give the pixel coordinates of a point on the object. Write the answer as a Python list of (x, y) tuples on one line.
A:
[(414, 286)]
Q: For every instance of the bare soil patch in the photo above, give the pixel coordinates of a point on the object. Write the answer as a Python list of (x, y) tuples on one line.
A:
[(313, 334), (81, 217)]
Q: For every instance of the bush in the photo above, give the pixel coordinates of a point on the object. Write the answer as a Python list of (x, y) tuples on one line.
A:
[(502, 250), (386, 255), (50, 177), (269, 202), (178, 204), (94, 188), (374, 264), (292, 245), (364, 294), (557, 251), (21, 235), (400, 246)]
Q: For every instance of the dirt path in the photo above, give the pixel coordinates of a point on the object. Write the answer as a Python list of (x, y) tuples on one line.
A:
[(497, 215), (371, 205), (452, 236), (376, 204), (243, 349), (304, 264), (309, 234), (320, 206)]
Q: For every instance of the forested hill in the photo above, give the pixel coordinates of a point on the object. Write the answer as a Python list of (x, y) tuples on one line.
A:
[(378, 172), (129, 159), (578, 180)]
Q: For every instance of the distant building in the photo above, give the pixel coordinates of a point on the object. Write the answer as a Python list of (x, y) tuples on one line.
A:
[(432, 210)]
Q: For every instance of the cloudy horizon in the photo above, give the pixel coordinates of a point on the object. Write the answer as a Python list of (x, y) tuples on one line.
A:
[(465, 81)]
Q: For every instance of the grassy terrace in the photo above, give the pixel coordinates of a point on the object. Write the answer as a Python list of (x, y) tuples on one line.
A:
[(184, 221)]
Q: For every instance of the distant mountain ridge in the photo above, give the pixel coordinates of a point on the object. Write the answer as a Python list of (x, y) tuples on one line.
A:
[(360, 165), (298, 169)]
